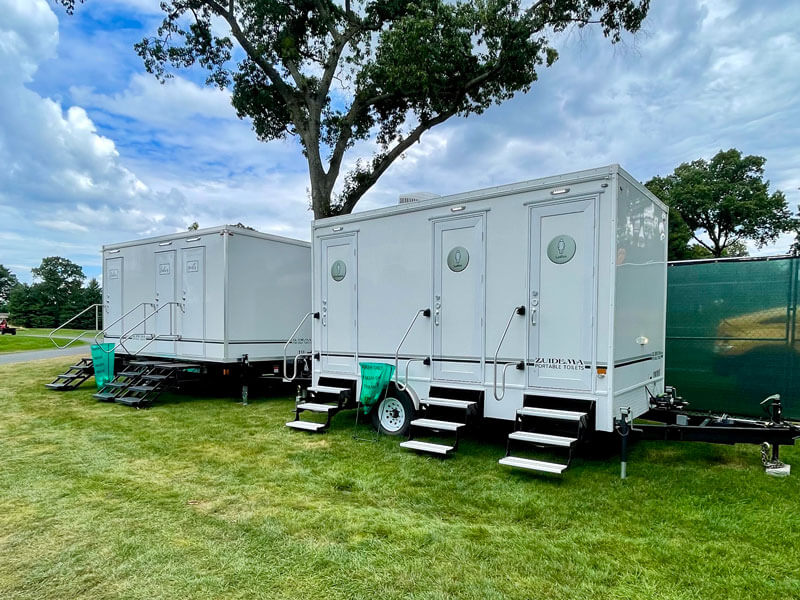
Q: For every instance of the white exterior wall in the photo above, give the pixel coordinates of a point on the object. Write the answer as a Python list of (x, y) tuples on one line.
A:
[(242, 293), (640, 288), (394, 260)]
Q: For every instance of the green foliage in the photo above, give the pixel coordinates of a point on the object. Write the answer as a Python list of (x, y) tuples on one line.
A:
[(721, 203), (334, 74), (56, 295), (194, 226), (8, 281)]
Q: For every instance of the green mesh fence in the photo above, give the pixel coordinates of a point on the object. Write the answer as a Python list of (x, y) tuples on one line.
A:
[(732, 334)]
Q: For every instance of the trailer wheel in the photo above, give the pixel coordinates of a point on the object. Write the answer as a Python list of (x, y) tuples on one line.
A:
[(393, 414)]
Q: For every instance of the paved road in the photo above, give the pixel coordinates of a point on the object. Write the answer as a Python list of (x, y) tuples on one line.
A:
[(18, 357)]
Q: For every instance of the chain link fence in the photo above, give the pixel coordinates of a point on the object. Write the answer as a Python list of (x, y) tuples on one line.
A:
[(732, 333)]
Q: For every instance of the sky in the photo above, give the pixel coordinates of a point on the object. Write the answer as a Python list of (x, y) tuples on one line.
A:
[(93, 150)]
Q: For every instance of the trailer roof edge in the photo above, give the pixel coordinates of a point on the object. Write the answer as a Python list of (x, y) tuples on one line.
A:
[(486, 193), (206, 231)]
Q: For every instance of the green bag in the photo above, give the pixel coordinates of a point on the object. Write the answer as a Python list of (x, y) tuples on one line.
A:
[(374, 379), (103, 362)]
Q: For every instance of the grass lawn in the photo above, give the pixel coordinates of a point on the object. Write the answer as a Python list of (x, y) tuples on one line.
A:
[(207, 498), (69, 333), (19, 343)]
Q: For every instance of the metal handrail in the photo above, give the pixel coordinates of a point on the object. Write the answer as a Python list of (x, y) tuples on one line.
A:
[(286, 345), (402, 386), (103, 331), (152, 314), (518, 310), (81, 334)]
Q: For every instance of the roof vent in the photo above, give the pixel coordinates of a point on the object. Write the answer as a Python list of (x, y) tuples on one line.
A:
[(416, 197)]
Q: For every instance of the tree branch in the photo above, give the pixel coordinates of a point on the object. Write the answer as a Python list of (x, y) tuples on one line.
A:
[(383, 162)]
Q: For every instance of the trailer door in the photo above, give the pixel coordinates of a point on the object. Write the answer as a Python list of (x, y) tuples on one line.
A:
[(112, 293), (339, 309), (165, 325), (458, 299), (561, 295), (193, 297)]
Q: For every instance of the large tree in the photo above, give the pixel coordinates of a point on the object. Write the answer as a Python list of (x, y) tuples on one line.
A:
[(336, 73), (722, 203), (55, 296), (8, 281)]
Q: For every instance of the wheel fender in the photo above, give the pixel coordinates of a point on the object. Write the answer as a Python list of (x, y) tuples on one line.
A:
[(411, 394)]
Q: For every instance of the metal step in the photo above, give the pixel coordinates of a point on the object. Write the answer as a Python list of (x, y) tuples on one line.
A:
[(448, 402), (55, 386), (69, 376), (542, 438), (105, 396), (317, 408), (532, 465), (156, 377), (129, 401), (81, 367), (327, 389), (117, 384), (427, 447), (134, 373), (550, 413), (434, 424), (141, 388), (306, 425)]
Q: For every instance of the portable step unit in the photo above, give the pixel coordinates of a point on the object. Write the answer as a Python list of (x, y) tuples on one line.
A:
[(540, 303), (220, 297)]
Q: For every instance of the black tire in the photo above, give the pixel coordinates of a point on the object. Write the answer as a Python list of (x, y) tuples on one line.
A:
[(398, 411)]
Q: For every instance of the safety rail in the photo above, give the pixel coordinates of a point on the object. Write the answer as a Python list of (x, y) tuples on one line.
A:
[(110, 325), (147, 317), (518, 310), (81, 334), (426, 312), (299, 354)]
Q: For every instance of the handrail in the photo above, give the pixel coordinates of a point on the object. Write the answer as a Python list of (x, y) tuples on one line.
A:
[(518, 310), (103, 331), (402, 386), (81, 334), (286, 345), (152, 314)]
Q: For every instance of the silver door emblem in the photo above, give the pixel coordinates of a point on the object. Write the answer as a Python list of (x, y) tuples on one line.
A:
[(458, 259), (561, 249), (338, 270)]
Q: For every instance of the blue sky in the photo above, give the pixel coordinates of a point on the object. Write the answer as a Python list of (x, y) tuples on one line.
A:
[(93, 150)]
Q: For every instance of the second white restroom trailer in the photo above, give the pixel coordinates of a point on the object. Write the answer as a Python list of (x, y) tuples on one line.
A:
[(219, 297), (541, 303)]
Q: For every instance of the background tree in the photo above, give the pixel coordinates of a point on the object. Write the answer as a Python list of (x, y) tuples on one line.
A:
[(55, 296), (721, 203), (8, 281), (334, 74)]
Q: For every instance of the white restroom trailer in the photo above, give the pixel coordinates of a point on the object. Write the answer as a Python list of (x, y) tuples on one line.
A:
[(541, 303), (211, 296)]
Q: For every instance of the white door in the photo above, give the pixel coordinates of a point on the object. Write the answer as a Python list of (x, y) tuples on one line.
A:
[(561, 295), (458, 299), (112, 296), (193, 297), (164, 322), (338, 312)]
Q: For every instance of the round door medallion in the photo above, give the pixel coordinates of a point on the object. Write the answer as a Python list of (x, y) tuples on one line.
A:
[(458, 259), (338, 270), (561, 249)]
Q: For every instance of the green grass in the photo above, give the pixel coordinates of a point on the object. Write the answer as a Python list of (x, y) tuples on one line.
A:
[(61, 332), (206, 498), (19, 343)]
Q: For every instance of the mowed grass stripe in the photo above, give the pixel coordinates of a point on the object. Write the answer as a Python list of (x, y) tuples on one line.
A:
[(205, 498)]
